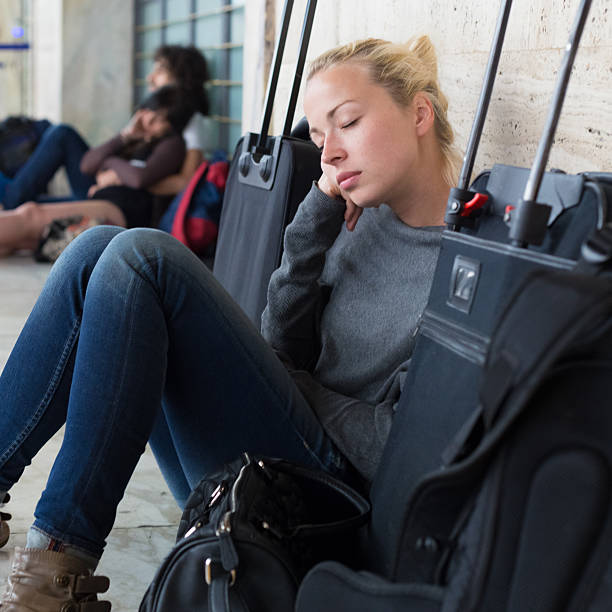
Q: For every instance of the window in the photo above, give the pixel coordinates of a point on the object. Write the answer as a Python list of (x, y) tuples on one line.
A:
[(216, 27), (15, 58)]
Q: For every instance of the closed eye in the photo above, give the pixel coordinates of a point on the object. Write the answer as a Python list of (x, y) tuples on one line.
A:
[(349, 123)]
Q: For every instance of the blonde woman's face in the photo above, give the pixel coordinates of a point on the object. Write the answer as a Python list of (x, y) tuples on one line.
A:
[(368, 142)]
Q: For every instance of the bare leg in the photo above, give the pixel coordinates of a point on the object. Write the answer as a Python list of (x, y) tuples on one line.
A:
[(22, 227)]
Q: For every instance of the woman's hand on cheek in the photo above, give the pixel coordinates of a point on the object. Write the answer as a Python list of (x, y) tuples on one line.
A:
[(329, 187), (352, 212), (134, 129)]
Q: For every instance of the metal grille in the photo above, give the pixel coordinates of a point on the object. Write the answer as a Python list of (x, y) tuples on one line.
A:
[(216, 27)]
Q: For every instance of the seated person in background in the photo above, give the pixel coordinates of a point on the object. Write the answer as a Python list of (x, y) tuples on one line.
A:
[(117, 174), (185, 67), (62, 146), (143, 335)]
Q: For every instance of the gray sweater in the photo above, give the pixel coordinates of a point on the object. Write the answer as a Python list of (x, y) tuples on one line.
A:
[(342, 313)]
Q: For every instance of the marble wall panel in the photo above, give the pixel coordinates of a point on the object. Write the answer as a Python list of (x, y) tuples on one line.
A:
[(47, 59), (462, 31), (14, 64), (82, 64), (97, 66)]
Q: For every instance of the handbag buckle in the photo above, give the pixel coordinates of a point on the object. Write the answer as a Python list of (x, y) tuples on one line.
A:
[(212, 568)]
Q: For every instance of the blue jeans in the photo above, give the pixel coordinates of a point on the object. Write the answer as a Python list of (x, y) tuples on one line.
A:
[(60, 145), (129, 319)]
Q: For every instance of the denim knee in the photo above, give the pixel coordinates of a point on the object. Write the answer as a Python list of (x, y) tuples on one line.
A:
[(89, 245), (41, 126), (79, 258), (59, 132), (146, 246)]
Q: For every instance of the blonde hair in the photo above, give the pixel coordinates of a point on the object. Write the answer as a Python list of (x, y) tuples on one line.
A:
[(404, 70)]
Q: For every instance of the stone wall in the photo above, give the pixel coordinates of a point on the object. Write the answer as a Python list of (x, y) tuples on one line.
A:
[(82, 64), (47, 59), (97, 64), (462, 31), (14, 64)]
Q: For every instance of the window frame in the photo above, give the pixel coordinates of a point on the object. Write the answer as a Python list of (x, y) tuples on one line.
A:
[(221, 82)]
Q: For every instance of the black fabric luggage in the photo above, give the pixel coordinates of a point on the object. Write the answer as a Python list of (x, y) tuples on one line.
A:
[(422, 496), (521, 519), (268, 178), (477, 273)]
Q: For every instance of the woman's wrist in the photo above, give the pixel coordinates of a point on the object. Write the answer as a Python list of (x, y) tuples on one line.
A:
[(126, 135)]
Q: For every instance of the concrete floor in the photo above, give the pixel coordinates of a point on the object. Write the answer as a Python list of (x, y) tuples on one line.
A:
[(147, 517)]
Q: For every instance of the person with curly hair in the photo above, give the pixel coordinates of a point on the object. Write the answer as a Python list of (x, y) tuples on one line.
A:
[(61, 145)]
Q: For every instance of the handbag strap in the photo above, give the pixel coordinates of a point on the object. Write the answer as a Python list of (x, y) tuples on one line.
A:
[(178, 224), (221, 581)]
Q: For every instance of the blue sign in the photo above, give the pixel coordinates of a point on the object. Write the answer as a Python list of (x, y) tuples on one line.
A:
[(14, 46)]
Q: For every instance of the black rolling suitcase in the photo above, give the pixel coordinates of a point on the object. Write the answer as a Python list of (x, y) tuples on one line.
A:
[(268, 178), (467, 513), (521, 519)]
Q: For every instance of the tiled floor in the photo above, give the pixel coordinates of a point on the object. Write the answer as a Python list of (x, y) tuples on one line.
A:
[(147, 517)]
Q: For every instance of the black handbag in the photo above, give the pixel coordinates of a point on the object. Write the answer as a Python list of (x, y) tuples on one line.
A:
[(250, 533), (18, 139)]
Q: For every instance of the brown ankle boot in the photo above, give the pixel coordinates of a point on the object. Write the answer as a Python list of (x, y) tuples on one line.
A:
[(49, 581)]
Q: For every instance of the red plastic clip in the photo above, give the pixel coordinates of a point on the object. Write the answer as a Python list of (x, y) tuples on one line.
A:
[(508, 212), (478, 201)]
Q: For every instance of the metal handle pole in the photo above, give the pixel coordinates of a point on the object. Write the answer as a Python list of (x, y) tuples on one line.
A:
[(485, 96), (297, 79), (539, 164), (276, 66)]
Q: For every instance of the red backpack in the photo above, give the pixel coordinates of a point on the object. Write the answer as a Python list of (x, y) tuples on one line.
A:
[(193, 216)]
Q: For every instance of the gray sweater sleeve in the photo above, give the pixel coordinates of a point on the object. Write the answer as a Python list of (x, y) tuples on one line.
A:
[(350, 368), (359, 429), (289, 322), (290, 325)]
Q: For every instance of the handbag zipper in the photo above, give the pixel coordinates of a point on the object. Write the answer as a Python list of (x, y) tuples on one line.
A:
[(225, 525), (214, 498)]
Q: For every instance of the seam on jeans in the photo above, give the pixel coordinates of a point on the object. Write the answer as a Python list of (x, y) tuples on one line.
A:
[(65, 536), (49, 393)]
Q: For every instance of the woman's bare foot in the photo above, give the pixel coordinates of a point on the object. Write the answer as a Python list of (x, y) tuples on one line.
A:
[(20, 228)]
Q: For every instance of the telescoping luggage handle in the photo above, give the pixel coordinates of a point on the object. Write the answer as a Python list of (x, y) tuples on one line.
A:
[(259, 155), (462, 203), (528, 220)]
